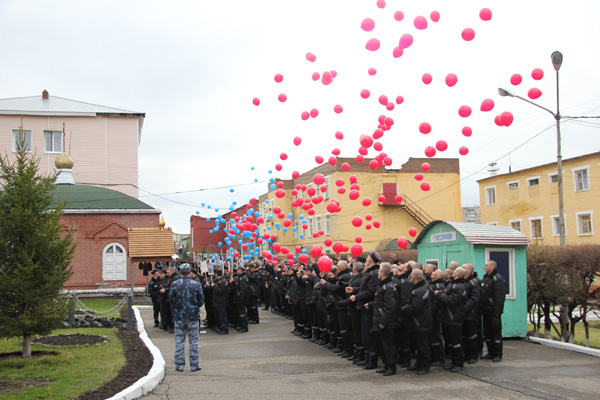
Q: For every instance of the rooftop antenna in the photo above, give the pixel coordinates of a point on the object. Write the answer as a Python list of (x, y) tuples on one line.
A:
[(493, 169), (509, 164)]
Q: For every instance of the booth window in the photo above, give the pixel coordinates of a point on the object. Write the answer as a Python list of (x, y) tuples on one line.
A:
[(434, 262), (505, 260)]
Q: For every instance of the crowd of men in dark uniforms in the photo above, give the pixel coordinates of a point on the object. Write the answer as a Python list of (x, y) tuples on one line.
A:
[(364, 309)]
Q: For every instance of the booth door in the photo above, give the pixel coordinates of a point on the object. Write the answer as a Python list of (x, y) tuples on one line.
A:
[(506, 267)]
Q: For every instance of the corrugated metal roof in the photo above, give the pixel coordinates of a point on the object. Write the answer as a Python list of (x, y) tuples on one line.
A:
[(482, 234), (36, 105), (147, 243), (84, 197)]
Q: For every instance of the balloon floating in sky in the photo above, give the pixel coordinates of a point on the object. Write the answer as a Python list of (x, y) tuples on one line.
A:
[(516, 79), (316, 76), (357, 221), (427, 78), (435, 16), (506, 118), (282, 98), (381, 4), (279, 193), (467, 131), (356, 250), (278, 78), (314, 113), (534, 93), (373, 44), (451, 80), (464, 111), (425, 186), (420, 22), (537, 74), (419, 176), (412, 232), (441, 145), (256, 101), (398, 15), (424, 127), (365, 93), (372, 71), (487, 105), (425, 167), (402, 242), (397, 52), (305, 115), (468, 34), (338, 108), (283, 156), (399, 99), (485, 14), (319, 159), (297, 140), (367, 24), (430, 151), (406, 41), (311, 57), (463, 151), (339, 135)]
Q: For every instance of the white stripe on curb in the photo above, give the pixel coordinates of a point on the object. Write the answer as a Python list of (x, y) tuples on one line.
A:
[(566, 346), (156, 374)]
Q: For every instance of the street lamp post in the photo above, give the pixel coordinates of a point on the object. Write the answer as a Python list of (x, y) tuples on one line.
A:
[(557, 59)]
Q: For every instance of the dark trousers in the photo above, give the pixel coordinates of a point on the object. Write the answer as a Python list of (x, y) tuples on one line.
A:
[(311, 313), (437, 344), (455, 343), (386, 347), (267, 297), (241, 315), (253, 308), (423, 347), (221, 317), (322, 319), (470, 342), (356, 332), (304, 315), (403, 343), (156, 309), (346, 330), (165, 314), (298, 326), (211, 320), (366, 322), (492, 332)]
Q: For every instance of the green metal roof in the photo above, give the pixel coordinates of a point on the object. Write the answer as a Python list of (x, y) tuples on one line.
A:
[(84, 197)]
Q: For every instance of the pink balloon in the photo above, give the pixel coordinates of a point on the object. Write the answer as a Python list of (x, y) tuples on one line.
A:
[(419, 176), (430, 151), (366, 202), (335, 152), (365, 94), (435, 16), (487, 105), (534, 93), (398, 15), (358, 238), (425, 167), (332, 160), (279, 193), (339, 182), (311, 57), (282, 98), (318, 179), (464, 111), (297, 140), (427, 78), (467, 131), (339, 135), (367, 24), (399, 99), (363, 151), (373, 44), (283, 156), (366, 141), (305, 115), (451, 80), (402, 243), (424, 127), (441, 145), (397, 52), (381, 3), (506, 118), (377, 146), (383, 100), (373, 164), (463, 150), (338, 247), (278, 78), (412, 232), (314, 113), (278, 167), (420, 22), (497, 120), (357, 221), (398, 198), (326, 79), (360, 158), (338, 108), (372, 71), (295, 174), (425, 186), (516, 79), (468, 34), (354, 194), (316, 76), (333, 73), (341, 190), (485, 14), (346, 166), (406, 41), (256, 101), (316, 251), (388, 121), (356, 250), (537, 74), (319, 159), (276, 247)]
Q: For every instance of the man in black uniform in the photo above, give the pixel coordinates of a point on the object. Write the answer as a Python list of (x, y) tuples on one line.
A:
[(153, 291), (493, 294), (403, 285), (354, 314), (437, 344), (470, 341), (385, 315), (240, 299), (163, 298), (255, 279), (220, 288)]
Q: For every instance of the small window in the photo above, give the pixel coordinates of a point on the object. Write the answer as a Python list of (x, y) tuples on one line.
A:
[(490, 195), (326, 194), (536, 228), (311, 227), (327, 224), (516, 225), (513, 185), (533, 181), (25, 136), (318, 223), (53, 141), (582, 179), (433, 262), (556, 226), (296, 229), (584, 223), (554, 178)]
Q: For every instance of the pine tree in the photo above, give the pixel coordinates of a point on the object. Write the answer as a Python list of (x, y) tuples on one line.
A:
[(35, 251)]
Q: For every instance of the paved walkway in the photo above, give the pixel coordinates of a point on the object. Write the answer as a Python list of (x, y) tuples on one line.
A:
[(269, 362)]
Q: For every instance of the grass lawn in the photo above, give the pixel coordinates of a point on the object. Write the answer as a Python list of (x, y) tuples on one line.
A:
[(580, 333), (74, 371)]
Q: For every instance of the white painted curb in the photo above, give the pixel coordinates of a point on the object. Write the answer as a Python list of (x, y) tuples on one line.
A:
[(156, 374), (566, 346)]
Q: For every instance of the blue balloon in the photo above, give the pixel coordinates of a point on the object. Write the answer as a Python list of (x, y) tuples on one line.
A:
[(255, 180), (207, 219), (234, 203), (301, 216), (203, 204), (272, 187), (230, 208), (270, 217), (267, 201), (251, 211), (210, 231), (295, 229), (302, 236), (216, 209), (285, 229), (303, 251), (269, 228), (240, 241), (208, 206), (219, 244), (197, 212), (290, 215), (271, 180), (270, 171), (252, 168), (277, 225), (231, 190)]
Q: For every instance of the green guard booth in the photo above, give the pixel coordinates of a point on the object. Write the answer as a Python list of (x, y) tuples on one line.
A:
[(441, 242)]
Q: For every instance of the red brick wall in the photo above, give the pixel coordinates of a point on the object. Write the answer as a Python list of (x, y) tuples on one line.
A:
[(93, 232)]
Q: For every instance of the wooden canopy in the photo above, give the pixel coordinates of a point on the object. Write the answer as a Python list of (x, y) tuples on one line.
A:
[(150, 244)]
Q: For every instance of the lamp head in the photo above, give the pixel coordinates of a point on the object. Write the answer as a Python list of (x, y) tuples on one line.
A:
[(557, 59), (504, 93)]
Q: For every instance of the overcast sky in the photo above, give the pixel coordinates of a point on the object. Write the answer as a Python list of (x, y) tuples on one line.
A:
[(194, 67)]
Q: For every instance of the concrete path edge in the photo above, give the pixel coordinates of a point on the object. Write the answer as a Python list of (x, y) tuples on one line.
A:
[(565, 346), (156, 374)]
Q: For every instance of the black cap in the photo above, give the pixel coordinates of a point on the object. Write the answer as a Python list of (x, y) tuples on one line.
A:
[(361, 259), (375, 257)]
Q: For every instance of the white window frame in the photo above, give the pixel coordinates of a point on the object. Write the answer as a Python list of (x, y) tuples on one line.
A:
[(512, 288), (311, 227), (550, 175), (60, 142), (298, 227), (433, 261), (318, 223), (585, 168), (531, 219), (27, 132), (580, 213), (124, 270), (327, 224), (533, 178), (512, 183), (487, 197), (555, 227), (520, 221), (326, 193)]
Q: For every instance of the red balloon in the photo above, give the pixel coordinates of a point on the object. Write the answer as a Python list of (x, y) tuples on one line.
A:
[(303, 258), (372, 71), (338, 108), (430, 151), (297, 141), (332, 207), (319, 159), (314, 113), (373, 164), (381, 198), (365, 94), (424, 127), (398, 198), (463, 150), (335, 152), (318, 179), (324, 264), (278, 78), (412, 232), (328, 242), (278, 167), (276, 247), (427, 78), (464, 111), (357, 221), (487, 105), (282, 98), (366, 202), (398, 15), (399, 99), (352, 179), (406, 41), (420, 22), (366, 141), (537, 74), (376, 224), (305, 115), (360, 158), (425, 167), (346, 166), (378, 133), (377, 146), (383, 100), (506, 118), (534, 93), (468, 34), (516, 79), (327, 78), (311, 57), (283, 156), (451, 80), (362, 151), (332, 160), (381, 3), (276, 210), (485, 14), (356, 250), (354, 194), (373, 44), (467, 131), (256, 101), (435, 16), (316, 251), (397, 52), (402, 243), (338, 247), (279, 193), (441, 145), (419, 176), (358, 239), (287, 223), (295, 174), (339, 135), (497, 120), (367, 24), (390, 106), (425, 186), (316, 76)]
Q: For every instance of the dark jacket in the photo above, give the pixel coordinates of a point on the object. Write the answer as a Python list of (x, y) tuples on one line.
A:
[(492, 294), (354, 282), (154, 288), (403, 288), (473, 287), (418, 308), (337, 290), (438, 284), (255, 280), (452, 303), (384, 305), (368, 288), (240, 289), (220, 292), (186, 297)]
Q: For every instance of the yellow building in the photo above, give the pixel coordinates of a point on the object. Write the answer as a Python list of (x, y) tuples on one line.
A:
[(527, 200), (416, 210)]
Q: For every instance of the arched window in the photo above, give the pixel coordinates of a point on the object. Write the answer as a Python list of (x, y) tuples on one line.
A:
[(114, 263)]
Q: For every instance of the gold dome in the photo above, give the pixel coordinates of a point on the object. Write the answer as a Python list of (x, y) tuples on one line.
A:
[(64, 161), (162, 223)]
